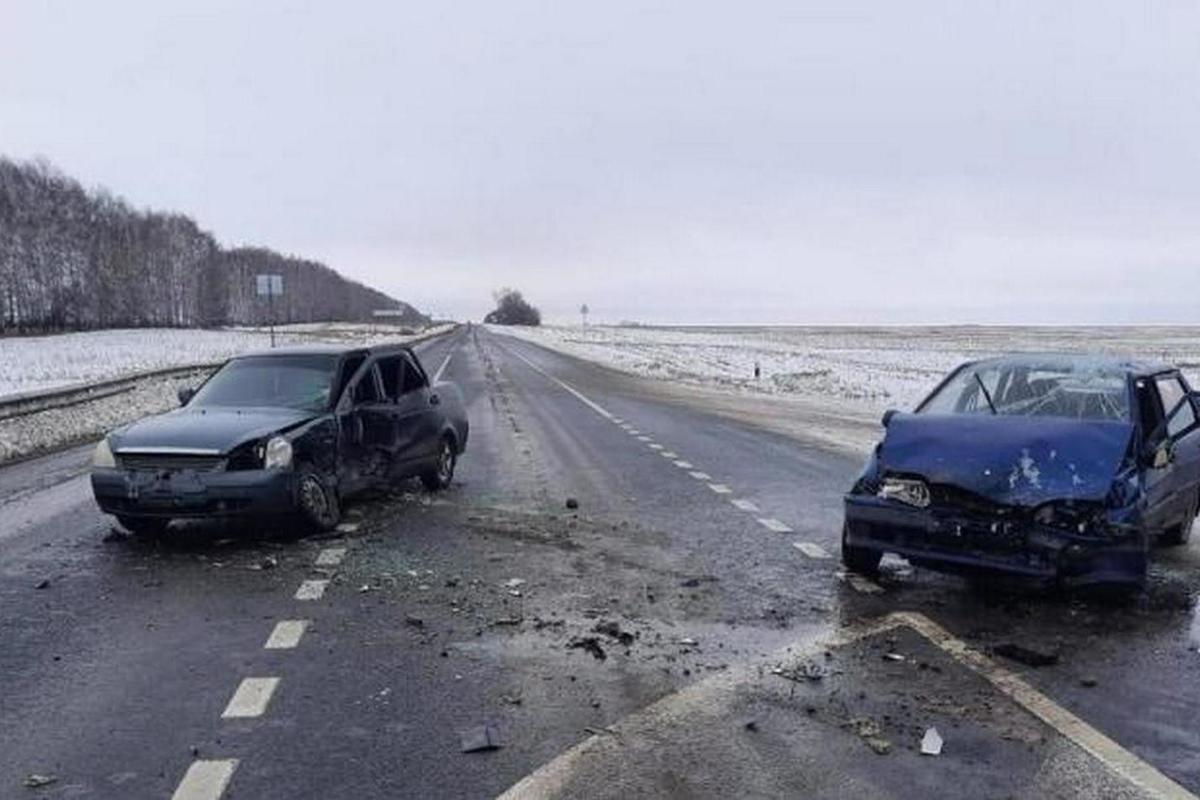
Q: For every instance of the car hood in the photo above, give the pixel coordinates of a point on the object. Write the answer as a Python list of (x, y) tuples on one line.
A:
[(219, 429), (1011, 460)]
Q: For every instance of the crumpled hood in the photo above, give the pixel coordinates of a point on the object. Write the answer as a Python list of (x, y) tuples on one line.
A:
[(1011, 460), (220, 429)]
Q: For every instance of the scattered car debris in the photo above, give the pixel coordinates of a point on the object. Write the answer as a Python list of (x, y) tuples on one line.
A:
[(687, 641), (36, 781), (869, 731), (484, 737), (269, 562), (804, 671), (365, 588), (514, 583), (892, 657), (1088, 682), (931, 743), (512, 699), (415, 622), (1025, 655), (589, 643), (508, 621), (613, 630), (572, 503), (42, 584), (692, 583), (751, 726)]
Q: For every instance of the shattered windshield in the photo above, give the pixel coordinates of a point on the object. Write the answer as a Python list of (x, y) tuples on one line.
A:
[(1073, 390), (297, 381)]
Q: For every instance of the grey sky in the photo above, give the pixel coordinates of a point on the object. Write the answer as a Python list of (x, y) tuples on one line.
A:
[(726, 162)]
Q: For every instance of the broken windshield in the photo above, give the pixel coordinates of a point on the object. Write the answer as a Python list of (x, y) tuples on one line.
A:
[(1077, 390)]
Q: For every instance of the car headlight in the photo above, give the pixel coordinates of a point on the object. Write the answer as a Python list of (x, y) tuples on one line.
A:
[(911, 491), (102, 456), (277, 454)]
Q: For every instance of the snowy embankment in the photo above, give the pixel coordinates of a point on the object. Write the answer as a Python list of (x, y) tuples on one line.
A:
[(46, 362), (850, 372)]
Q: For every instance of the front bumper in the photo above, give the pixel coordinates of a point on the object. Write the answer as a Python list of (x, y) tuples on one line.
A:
[(193, 494), (954, 542)]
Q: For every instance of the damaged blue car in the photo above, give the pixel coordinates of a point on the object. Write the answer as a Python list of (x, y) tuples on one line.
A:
[(1061, 468)]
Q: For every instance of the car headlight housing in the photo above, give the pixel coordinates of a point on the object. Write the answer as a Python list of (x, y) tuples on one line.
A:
[(277, 454), (102, 456), (910, 491)]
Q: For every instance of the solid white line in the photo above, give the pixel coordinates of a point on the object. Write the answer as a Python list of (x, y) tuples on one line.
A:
[(720, 488), (811, 550), (311, 590), (579, 395), (331, 556), (774, 525), (251, 698), (701, 476), (286, 634), (684, 464), (745, 505), (205, 780), (437, 376)]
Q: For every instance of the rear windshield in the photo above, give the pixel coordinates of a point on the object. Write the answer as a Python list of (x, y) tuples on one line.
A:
[(1081, 391), (302, 382)]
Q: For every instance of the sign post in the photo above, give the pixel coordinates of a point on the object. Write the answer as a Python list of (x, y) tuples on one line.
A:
[(270, 286)]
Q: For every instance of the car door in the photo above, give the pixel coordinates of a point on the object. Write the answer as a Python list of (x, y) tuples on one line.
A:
[(417, 418), (366, 431), (1157, 479), (1183, 433)]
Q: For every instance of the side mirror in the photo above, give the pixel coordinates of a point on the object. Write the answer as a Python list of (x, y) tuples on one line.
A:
[(887, 416), (1164, 454), (185, 394)]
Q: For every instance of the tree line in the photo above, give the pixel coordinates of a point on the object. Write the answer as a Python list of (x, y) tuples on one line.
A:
[(74, 259)]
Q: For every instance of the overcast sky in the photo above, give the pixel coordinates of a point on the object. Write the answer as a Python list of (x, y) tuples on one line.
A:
[(662, 161)]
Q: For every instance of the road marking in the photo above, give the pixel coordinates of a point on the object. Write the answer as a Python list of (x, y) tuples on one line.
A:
[(861, 584), (251, 698), (205, 780), (701, 476), (655, 446), (286, 634), (331, 556), (669, 454), (311, 590), (773, 525), (633, 431), (811, 550), (720, 488), (347, 527), (594, 406), (437, 376), (745, 505), (684, 464), (644, 439), (618, 420)]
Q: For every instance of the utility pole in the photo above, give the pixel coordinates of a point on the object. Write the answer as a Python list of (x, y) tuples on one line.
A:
[(583, 312)]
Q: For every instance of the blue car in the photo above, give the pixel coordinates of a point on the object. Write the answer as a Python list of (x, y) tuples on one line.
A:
[(1061, 468)]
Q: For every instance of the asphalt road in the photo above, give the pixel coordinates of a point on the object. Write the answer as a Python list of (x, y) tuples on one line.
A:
[(685, 631)]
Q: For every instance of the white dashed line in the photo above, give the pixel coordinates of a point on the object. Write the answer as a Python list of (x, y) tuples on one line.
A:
[(684, 464), (669, 454), (720, 488), (251, 698), (634, 431), (618, 420), (701, 476), (331, 556), (311, 590), (655, 446), (774, 525), (644, 439), (205, 780), (437, 376), (861, 584), (286, 635), (811, 550), (745, 505), (593, 405), (347, 527)]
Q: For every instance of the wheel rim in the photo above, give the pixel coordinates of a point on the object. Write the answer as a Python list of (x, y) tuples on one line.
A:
[(312, 494), (446, 464)]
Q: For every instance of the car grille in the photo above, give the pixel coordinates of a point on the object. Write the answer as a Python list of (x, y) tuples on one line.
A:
[(169, 462)]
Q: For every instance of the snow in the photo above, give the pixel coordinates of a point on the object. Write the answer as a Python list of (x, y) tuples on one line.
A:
[(44, 362), (867, 368)]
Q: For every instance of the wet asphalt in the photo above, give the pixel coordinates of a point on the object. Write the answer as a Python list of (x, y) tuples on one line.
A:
[(480, 606)]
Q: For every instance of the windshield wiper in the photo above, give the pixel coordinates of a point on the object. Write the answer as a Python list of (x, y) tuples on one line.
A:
[(986, 395)]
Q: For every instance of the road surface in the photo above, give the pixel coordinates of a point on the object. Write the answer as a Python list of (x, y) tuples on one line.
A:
[(684, 629)]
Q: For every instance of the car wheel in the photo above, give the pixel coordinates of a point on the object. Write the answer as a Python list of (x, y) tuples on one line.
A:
[(316, 501), (441, 475), (1181, 533), (863, 560), (144, 527)]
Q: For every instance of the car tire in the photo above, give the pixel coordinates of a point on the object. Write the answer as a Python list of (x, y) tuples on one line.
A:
[(144, 527), (441, 475), (863, 560), (1181, 533), (316, 500)]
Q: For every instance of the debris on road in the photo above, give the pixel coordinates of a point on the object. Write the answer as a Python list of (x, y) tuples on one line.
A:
[(892, 657), (36, 781), (572, 503), (931, 743), (484, 737), (613, 630), (869, 731), (415, 622), (42, 584), (1088, 682), (751, 726), (692, 583), (270, 562), (589, 643), (512, 699), (514, 583), (1025, 655), (687, 641), (364, 588), (804, 671), (508, 621)]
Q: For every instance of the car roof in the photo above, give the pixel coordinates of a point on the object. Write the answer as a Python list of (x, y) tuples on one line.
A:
[(324, 349), (1078, 361)]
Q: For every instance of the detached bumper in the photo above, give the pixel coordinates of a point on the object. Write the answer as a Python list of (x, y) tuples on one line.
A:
[(951, 542), (193, 494)]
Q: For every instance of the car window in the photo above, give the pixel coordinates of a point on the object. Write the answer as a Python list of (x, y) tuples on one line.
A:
[(349, 366), (390, 371), (413, 379), (1019, 388), (281, 381), (367, 389), (1171, 392)]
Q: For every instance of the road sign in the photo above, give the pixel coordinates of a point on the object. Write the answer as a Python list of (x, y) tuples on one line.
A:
[(270, 285)]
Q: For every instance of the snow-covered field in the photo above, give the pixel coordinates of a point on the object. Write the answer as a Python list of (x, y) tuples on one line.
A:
[(44, 362), (867, 368)]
